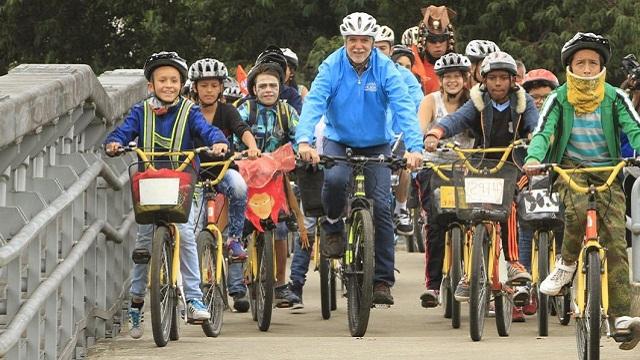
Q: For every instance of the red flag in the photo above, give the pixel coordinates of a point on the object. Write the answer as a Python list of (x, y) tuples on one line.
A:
[(241, 76)]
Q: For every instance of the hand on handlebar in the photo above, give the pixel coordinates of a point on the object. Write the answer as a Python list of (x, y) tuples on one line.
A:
[(414, 160), (219, 149), (431, 143), (308, 154), (532, 168), (113, 149)]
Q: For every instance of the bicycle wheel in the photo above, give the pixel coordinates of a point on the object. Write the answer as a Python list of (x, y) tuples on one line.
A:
[(504, 308), (359, 271), (543, 271), (478, 282), (589, 325), (212, 290), (325, 287), (455, 273), (265, 281), (174, 332), (162, 295), (418, 229), (334, 290)]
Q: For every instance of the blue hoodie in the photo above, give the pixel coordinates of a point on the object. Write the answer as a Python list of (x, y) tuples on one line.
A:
[(415, 92), (355, 106)]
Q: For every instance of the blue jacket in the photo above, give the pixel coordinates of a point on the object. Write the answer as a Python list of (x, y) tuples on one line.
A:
[(292, 97), (355, 106), (477, 115), (197, 125), (415, 93)]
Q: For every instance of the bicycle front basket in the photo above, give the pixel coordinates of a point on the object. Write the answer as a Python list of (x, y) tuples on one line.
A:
[(485, 196), (538, 207), (161, 194)]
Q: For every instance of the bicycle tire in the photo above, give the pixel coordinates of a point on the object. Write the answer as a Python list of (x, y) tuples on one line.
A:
[(360, 272), (543, 248), (266, 280), (325, 287), (212, 290), (447, 296), (162, 296), (504, 309), (334, 289), (455, 273), (562, 306), (478, 282), (174, 332), (418, 230), (589, 325)]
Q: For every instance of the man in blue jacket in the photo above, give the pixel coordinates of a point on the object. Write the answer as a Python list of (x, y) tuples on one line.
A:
[(354, 87), (166, 121)]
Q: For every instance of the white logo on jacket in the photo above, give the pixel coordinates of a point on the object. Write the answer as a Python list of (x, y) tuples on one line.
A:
[(371, 87)]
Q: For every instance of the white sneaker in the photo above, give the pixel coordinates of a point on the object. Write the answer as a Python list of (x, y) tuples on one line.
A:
[(197, 310), (559, 277), (403, 224), (628, 325)]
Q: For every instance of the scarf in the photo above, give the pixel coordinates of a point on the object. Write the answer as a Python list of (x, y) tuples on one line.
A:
[(160, 107), (585, 93)]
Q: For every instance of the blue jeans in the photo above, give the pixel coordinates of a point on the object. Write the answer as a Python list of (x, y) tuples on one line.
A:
[(377, 188), (189, 267), (234, 188), (302, 257)]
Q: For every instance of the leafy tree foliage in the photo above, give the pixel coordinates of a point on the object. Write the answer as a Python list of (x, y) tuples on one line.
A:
[(111, 34)]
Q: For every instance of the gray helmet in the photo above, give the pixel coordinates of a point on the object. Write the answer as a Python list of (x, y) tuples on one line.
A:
[(498, 60), (452, 62), (582, 41)]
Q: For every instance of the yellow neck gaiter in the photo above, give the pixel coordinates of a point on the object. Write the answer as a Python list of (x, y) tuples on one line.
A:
[(585, 93)]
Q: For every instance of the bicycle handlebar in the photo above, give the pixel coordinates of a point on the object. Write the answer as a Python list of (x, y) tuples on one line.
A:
[(145, 155), (464, 154)]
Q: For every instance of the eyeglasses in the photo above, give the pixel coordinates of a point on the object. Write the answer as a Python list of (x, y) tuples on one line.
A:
[(437, 38)]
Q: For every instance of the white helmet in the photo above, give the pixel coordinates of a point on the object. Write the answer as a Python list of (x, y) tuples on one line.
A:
[(385, 34), (232, 89), (359, 23), (452, 62), (292, 58), (479, 49), (410, 36), (207, 68), (498, 60)]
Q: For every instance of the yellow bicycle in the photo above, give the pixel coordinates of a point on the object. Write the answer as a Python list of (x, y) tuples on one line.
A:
[(162, 186), (590, 285)]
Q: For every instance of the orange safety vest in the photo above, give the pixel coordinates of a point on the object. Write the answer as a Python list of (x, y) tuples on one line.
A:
[(428, 77)]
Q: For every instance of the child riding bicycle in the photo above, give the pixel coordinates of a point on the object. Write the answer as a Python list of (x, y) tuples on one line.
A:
[(585, 116), (166, 121)]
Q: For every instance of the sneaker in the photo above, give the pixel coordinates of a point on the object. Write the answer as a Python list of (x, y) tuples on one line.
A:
[(197, 310), (532, 307), (136, 318), (430, 299), (462, 291), (240, 302), (492, 309), (517, 315), (236, 251), (559, 277), (630, 326), (516, 273), (382, 294), (296, 289), (521, 296), (284, 297), (402, 223), (332, 245)]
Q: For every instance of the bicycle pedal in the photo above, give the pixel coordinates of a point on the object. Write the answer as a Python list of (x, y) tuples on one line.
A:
[(140, 256)]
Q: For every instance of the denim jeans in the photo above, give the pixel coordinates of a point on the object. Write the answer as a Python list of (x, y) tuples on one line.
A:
[(302, 257), (189, 267), (235, 189), (377, 188)]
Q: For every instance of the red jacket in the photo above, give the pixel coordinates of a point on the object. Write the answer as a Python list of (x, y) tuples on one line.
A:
[(424, 69)]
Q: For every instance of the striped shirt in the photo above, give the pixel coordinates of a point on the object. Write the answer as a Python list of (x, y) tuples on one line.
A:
[(587, 143)]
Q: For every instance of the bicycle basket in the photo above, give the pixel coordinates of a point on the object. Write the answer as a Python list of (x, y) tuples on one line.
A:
[(538, 207), (161, 194), (310, 183), (485, 196)]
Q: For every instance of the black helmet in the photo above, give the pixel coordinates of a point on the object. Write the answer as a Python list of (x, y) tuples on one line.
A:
[(259, 69), (165, 58), (582, 41), (273, 54), (401, 50)]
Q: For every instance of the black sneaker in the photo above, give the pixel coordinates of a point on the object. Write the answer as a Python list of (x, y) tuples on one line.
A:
[(382, 294), (430, 299), (284, 297), (240, 302), (402, 223), (296, 289), (332, 246)]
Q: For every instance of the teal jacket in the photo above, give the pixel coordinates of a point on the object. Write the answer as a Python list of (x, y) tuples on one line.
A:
[(555, 123)]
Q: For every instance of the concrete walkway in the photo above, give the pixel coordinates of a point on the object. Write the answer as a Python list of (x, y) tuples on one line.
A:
[(405, 331)]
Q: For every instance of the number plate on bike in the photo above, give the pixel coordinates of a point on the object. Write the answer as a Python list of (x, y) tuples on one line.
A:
[(162, 191), (483, 190), (447, 197), (541, 201)]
